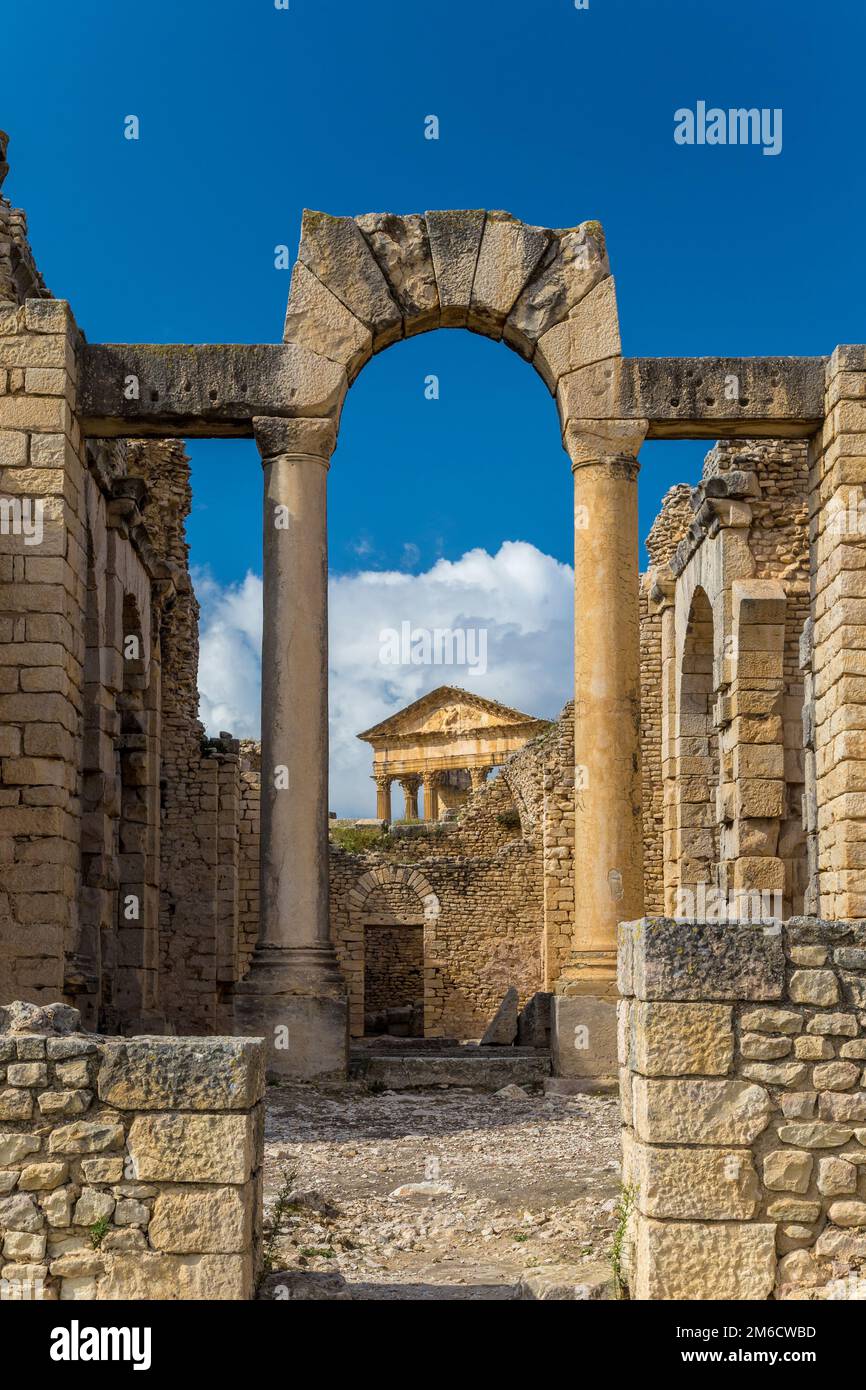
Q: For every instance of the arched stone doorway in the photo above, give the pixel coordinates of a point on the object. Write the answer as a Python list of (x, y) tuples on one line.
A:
[(360, 285), (389, 962)]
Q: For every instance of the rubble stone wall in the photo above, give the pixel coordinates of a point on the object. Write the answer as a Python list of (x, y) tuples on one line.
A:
[(742, 1053), (129, 1168)]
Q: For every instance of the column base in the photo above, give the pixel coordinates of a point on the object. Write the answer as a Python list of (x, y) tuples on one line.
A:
[(583, 1036), (294, 998)]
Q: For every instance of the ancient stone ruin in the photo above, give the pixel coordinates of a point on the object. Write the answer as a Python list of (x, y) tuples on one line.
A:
[(706, 788)]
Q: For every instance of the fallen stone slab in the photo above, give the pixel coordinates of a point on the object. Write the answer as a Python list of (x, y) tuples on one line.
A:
[(567, 1283), (502, 1031)]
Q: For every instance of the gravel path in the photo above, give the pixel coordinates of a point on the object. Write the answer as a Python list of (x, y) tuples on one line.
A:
[(442, 1194)]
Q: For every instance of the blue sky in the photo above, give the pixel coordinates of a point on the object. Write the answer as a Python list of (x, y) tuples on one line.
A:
[(249, 113)]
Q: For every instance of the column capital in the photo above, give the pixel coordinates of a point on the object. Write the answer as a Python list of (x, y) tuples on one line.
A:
[(277, 437), (382, 779), (615, 443)]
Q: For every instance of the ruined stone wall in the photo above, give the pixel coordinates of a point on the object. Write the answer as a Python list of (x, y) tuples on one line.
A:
[(393, 966), (129, 1169), (501, 876), (744, 1104)]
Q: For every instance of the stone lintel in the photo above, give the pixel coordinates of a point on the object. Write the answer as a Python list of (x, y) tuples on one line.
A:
[(217, 389), (701, 397), (208, 390)]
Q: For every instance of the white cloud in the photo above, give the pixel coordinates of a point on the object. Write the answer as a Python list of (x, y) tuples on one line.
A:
[(519, 601)]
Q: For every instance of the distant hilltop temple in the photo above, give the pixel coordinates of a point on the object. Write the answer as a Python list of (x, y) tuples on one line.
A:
[(446, 743)]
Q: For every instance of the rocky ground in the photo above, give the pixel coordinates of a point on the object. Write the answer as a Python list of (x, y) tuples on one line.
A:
[(439, 1194)]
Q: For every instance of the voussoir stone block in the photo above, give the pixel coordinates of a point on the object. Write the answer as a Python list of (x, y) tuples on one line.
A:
[(335, 250), (676, 1039), (694, 1184), (192, 1147), (573, 264), (318, 320), (705, 1260), (162, 1073), (455, 240), (699, 1112), (509, 254), (402, 251), (202, 1220)]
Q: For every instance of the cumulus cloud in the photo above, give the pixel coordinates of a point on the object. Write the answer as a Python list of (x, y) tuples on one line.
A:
[(513, 609)]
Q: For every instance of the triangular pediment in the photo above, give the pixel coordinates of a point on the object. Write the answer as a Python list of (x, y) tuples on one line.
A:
[(448, 710)]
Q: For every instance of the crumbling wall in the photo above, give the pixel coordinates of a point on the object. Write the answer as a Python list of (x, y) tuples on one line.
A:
[(744, 1104), (129, 1168)]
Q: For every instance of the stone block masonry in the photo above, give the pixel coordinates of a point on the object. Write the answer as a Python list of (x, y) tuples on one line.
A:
[(742, 1053), (130, 1168)]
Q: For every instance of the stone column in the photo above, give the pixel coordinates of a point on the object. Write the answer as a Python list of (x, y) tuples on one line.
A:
[(410, 787), (431, 796), (383, 796), (478, 777), (294, 995), (608, 830)]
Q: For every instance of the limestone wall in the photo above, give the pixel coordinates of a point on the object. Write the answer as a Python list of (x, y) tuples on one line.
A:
[(742, 1052), (129, 1168)]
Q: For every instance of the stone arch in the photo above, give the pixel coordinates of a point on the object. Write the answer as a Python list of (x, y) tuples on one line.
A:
[(361, 284), (376, 882)]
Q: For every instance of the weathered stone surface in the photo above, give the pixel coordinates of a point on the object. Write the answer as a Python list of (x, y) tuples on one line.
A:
[(147, 1275), (161, 1073), (192, 1148), (316, 319), (685, 960), (814, 987), (815, 1136), (699, 1112), (788, 1171), (20, 1213), (702, 1260), (589, 334), (455, 240), (836, 1176), (42, 1177), (830, 1025), (676, 1039), (402, 251), (204, 389), (844, 1106), (848, 1213), (759, 1047), (584, 1036), (92, 1206), (15, 1146), (566, 1283), (788, 1209), (335, 250), (18, 1245), (64, 1102), (836, 1076), (502, 1029), (777, 1074), (202, 1220), (771, 1021), (509, 254), (21, 1017), (573, 264), (85, 1137), (15, 1104), (689, 1184)]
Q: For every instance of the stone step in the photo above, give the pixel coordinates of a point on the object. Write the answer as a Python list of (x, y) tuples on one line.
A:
[(485, 1070)]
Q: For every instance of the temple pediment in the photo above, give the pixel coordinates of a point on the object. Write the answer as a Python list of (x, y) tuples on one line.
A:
[(451, 711)]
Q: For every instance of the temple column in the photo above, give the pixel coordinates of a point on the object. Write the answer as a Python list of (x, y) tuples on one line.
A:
[(410, 785), (478, 777), (608, 829), (294, 995), (431, 796), (383, 796)]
